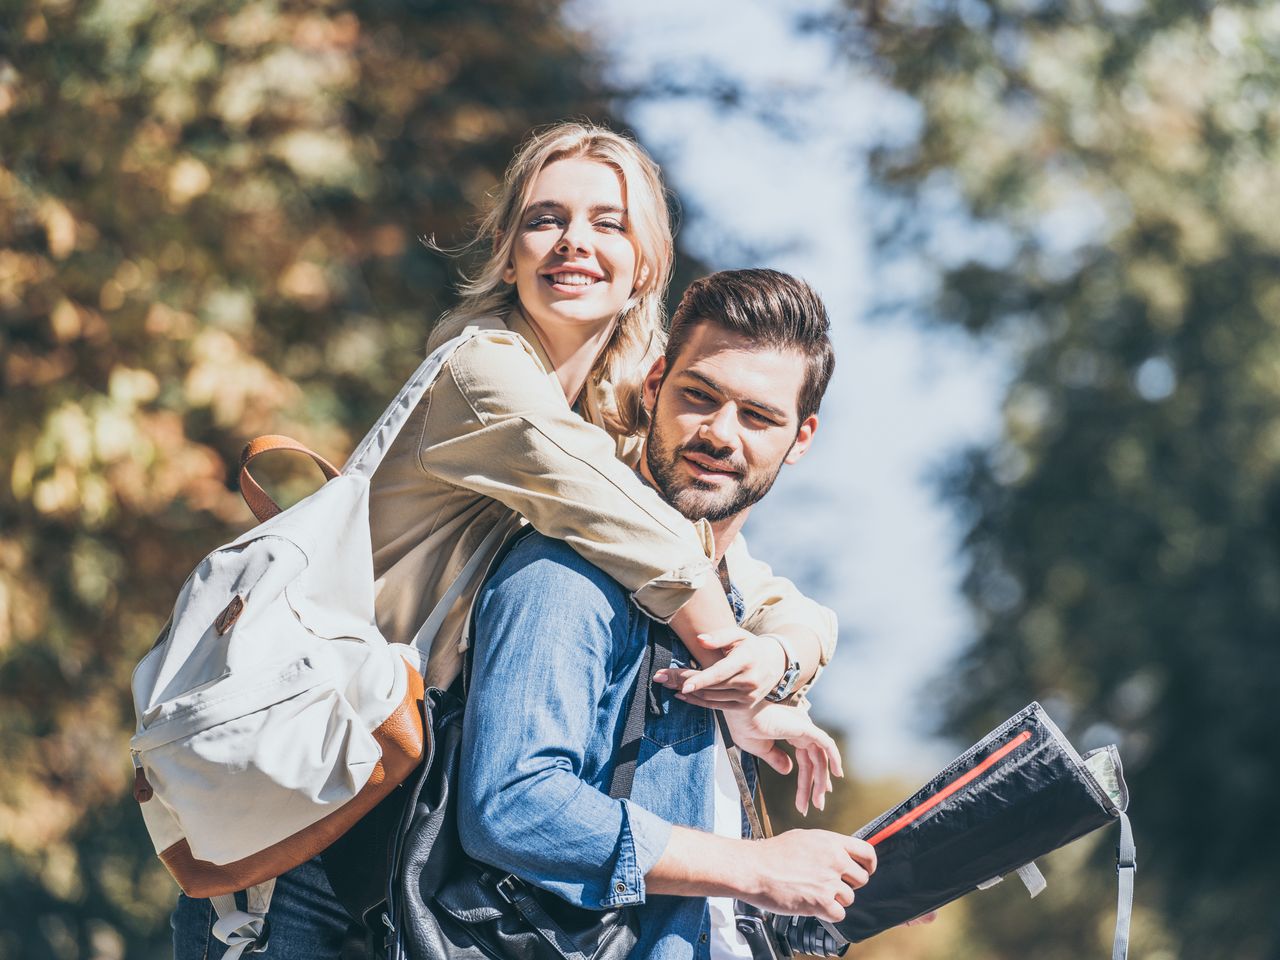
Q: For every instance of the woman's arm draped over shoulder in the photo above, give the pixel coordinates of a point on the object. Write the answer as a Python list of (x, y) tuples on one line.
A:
[(499, 427), (774, 605)]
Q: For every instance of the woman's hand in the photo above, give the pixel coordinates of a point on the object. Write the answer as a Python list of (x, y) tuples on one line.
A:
[(751, 668), (759, 730)]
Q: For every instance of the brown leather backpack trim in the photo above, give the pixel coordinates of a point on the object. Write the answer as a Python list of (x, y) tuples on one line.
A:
[(402, 740)]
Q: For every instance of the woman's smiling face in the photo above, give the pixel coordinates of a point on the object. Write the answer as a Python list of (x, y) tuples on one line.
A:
[(574, 261)]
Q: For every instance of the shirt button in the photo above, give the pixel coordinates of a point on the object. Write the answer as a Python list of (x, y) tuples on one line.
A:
[(702, 938), (620, 887)]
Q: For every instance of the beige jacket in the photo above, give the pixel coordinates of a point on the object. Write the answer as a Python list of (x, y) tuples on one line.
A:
[(494, 440)]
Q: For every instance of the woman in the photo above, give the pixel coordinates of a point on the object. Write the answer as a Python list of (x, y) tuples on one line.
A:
[(534, 417)]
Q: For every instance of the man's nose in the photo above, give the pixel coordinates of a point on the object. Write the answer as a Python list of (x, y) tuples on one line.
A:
[(721, 428)]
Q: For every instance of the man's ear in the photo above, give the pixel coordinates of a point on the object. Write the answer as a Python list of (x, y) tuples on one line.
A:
[(653, 380), (804, 437)]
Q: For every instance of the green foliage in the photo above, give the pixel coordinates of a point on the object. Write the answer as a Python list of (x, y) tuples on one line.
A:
[(208, 223), (1119, 162)]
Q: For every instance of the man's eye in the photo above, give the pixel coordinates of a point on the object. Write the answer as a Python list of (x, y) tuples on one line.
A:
[(697, 396), (759, 418)]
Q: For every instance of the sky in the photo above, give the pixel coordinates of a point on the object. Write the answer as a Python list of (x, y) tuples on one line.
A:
[(857, 523)]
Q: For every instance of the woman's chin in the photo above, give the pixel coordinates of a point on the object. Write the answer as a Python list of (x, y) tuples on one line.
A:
[(576, 313)]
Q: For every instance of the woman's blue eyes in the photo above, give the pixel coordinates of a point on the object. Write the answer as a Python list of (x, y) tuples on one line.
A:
[(552, 221)]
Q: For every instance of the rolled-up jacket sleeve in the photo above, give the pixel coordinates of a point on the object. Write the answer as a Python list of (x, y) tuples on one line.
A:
[(773, 603), (531, 747), (499, 426)]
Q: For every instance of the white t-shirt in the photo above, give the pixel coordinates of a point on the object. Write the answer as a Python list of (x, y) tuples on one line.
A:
[(726, 942)]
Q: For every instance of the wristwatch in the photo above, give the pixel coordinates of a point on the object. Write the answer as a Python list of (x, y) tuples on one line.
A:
[(790, 674)]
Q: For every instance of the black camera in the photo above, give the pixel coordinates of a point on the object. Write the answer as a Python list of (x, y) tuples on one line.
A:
[(776, 937)]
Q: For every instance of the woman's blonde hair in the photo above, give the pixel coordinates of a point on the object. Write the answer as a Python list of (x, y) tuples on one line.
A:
[(638, 336)]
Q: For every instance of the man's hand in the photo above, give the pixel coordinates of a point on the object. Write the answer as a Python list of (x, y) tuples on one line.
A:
[(758, 731), (751, 668), (811, 873), (806, 873)]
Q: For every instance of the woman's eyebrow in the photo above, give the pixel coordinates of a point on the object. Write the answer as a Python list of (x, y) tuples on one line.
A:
[(596, 210)]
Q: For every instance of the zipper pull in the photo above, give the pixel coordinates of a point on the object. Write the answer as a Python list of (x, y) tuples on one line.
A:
[(142, 789)]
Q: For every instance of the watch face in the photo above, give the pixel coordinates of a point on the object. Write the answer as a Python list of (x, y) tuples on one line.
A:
[(786, 686)]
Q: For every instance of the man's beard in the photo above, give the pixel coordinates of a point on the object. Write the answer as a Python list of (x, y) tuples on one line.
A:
[(696, 498)]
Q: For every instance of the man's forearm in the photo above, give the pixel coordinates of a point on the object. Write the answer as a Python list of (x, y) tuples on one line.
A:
[(808, 873), (698, 864)]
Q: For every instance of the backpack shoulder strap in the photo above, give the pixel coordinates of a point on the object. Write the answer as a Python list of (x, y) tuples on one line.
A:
[(364, 461), (372, 448)]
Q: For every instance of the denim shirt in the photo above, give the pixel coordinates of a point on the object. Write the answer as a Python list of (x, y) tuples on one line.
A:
[(556, 652)]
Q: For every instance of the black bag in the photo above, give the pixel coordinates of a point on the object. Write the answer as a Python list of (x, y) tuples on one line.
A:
[(1019, 793), (443, 904), (431, 901)]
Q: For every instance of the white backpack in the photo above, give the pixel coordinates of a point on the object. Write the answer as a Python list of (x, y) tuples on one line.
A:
[(272, 713)]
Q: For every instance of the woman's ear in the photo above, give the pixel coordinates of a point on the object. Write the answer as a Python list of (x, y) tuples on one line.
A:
[(642, 278), (509, 270)]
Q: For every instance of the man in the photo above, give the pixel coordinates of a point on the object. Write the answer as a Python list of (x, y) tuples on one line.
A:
[(735, 398)]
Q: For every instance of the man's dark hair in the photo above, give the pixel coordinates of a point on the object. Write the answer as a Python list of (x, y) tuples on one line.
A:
[(769, 308)]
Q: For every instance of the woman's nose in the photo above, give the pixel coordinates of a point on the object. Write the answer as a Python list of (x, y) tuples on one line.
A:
[(575, 239)]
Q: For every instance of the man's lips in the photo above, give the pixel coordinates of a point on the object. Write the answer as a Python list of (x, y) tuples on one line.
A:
[(709, 466)]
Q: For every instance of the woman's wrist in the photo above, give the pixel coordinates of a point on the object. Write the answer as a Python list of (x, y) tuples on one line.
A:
[(789, 675)]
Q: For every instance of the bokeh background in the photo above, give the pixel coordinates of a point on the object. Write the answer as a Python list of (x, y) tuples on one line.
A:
[(1049, 233)]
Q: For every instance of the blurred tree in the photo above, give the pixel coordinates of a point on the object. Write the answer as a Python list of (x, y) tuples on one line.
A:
[(1095, 186), (208, 223)]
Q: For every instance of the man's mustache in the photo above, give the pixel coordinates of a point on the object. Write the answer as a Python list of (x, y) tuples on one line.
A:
[(722, 457)]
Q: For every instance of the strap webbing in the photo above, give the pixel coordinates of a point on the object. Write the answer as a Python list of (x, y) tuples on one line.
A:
[(431, 626), (624, 770), (244, 930), (740, 776), (1032, 879), (1126, 870)]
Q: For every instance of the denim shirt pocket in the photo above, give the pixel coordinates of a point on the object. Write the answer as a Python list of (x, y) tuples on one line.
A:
[(669, 721)]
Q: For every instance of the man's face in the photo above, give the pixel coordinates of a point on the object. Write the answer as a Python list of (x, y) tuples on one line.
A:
[(724, 422)]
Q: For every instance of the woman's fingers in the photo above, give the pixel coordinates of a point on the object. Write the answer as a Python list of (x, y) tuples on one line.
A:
[(775, 757), (822, 740), (804, 781), (820, 763), (676, 678), (716, 700), (719, 639)]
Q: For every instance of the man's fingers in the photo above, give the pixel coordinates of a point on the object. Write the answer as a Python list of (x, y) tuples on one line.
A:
[(832, 912), (855, 876), (862, 852), (844, 896), (924, 918)]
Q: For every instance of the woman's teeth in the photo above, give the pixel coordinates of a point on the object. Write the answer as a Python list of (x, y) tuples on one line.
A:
[(572, 279)]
